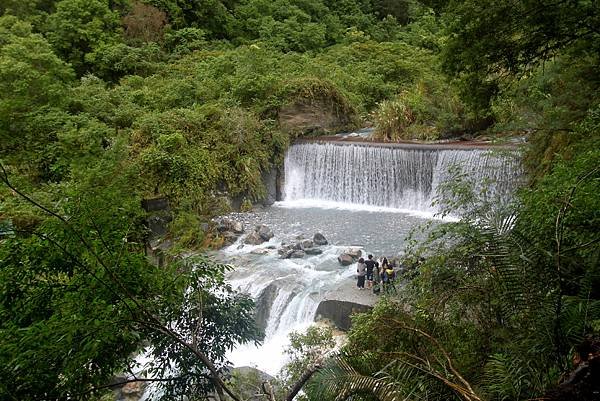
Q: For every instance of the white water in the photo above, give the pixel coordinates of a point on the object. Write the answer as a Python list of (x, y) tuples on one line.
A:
[(357, 196), (300, 285), (391, 178)]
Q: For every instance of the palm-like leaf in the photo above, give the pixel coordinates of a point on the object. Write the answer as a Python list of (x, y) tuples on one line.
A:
[(339, 381)]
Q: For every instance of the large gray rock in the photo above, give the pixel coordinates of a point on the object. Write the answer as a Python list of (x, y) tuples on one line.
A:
[(259, 252), (264, 232), (221, 225), (339, 312), (297, 249), (253, 239), (157, 251), (263, 305), (158, 224), (345, 260), (224, 224), (286, 251), (237, 227), (297, 254), (317, 115), (269, 178), (229, 237), (354, 253), (307, 244), (319, 239), (313, 251)]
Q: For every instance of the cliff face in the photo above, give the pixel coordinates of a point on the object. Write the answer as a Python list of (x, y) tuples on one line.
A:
[(344, 301), (339, 312), (313, 116)]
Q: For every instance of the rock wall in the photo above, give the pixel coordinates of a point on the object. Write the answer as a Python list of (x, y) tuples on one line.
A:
[(263, 305), (271, 180), (339, 312), (158, 217), (312, 116)]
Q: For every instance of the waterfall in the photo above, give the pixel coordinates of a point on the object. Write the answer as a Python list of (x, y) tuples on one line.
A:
[(389, 176), (288, 291)]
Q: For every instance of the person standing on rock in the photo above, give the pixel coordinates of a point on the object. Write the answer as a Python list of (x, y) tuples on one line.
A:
[(383, 274), (370, 265), (376, 279), (361, 270)]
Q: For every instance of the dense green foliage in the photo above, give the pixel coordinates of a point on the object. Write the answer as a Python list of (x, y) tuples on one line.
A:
[(106, 102), (498, 305), (79, 298), (497, 308)]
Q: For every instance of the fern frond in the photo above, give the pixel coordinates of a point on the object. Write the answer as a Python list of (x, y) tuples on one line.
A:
[(339, 380)]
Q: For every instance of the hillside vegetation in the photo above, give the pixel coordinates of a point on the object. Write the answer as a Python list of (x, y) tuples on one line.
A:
[(104, 103)]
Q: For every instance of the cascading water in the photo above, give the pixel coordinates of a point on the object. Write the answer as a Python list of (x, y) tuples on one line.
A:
[(290, 289), (389, 177), (317, 174)]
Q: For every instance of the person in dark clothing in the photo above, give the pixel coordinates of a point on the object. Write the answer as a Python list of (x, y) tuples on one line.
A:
[(376, 279), (360, 269), (370, 266)]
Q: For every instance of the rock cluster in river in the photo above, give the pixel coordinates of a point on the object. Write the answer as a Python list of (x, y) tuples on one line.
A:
[(302, 247), (260, 234), (349, 256)]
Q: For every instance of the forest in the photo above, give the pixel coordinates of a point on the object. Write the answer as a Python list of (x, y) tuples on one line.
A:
[(104, 103)]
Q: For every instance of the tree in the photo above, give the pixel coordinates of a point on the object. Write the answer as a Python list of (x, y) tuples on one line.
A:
[(308, 353), (79, 27), (79, 299), (34, 83), (212, 16), (496, 305), (489, 40)]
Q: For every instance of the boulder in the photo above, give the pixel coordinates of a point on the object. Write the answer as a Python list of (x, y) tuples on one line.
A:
[(307, 244), (313, 251), (229, 237), (345, 259), (158, 224), (264, 232), (319, 239), (269, 178), (264, 301), (259, 252), (286, 251), (321, 114), (224, 224), (339, 312), (221, 225), (297, 254), (254, 239), (160, 245), (354, 253), (237, 227), (157, 251)]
